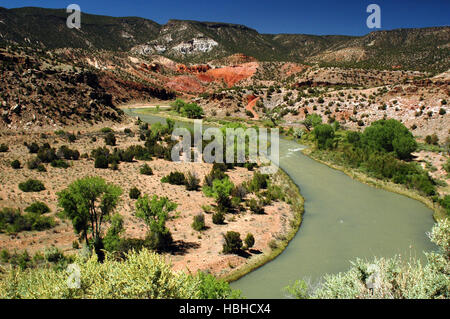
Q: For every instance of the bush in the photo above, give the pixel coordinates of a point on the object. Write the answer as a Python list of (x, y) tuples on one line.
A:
[(142, 274), (390, 136), (199, 222), (233, 243), (135, 193), (68, 154), (60, 163), (33, 148), (38, 208), (218, 218), (256, 207), (146, 170), (33, 163), (101, 161), (31, 185), (110, 139), (249, 241), (12, 221), (174, 178), (53, 255), (192, 182), (15, 164), (4, 148), (432, 139), (392, 278), (324, 135)]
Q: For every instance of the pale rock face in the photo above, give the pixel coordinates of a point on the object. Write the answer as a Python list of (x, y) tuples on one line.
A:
[(195, 45)]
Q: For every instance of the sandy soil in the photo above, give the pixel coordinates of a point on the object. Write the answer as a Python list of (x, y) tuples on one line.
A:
[(197, 250)]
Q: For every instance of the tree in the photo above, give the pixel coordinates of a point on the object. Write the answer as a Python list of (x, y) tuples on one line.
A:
[(220, 190), (249, 240), (233, 242), (312, 120), (155, 212), (110, 139), (324, 135), (390, 136), (87, 202)]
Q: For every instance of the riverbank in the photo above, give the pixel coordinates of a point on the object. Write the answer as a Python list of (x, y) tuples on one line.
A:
[(296, 201), (439, 212), (289, 226)]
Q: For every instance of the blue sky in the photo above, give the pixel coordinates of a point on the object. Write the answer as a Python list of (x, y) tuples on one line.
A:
[(346, 17)]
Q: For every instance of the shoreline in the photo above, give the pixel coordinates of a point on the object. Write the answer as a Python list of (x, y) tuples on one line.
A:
[(438, 211), (294, 199)]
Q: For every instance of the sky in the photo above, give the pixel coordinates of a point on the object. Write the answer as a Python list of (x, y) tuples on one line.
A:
[(346, 17)]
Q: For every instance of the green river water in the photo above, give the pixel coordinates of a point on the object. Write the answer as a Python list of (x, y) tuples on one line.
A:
[(344, 219)]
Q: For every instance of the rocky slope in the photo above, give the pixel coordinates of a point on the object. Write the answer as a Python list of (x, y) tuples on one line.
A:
[(192, 41)]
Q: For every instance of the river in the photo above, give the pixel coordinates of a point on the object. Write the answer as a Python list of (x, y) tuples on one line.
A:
[(344, 219)]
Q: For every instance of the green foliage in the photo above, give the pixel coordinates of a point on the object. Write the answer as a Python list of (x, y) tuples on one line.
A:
[(146, 170), (4, 148), (87, 202), (233, 243), (31, 185), (110, 139), (16, 164), (134, 193), (12, 221), (112, 240), (221, 191), (312, 120), (38, 208), (101, 161), (199, 222), (324, 135), (60, 163), (249, 241), (155, 212), (256, 206), (174, 178), (192, 182), (390, 278), (258, 182), (218, 218), (140, 275), (390, 136), (190, 110)]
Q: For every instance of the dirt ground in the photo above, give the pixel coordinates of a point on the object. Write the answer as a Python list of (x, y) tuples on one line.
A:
[(196, 250)]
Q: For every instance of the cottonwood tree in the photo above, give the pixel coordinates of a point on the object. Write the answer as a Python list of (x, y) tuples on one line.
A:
[(87, 202), (155, 212)]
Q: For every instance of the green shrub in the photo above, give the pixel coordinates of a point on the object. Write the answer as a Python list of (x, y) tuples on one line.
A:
[(4, 148), (16, 164), (38, 208), (218, 218), (60, 163), (146, 170), (249, 241), (199, 222), (255, 206), (33, 148), (110, 139), (101, 161), (192, 182), (390, 278), (135, 193), (390, 136), (174, 178), (33, 163), (233, 243), (324, 135), (53, 255), (143, 275), (31, 185)]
